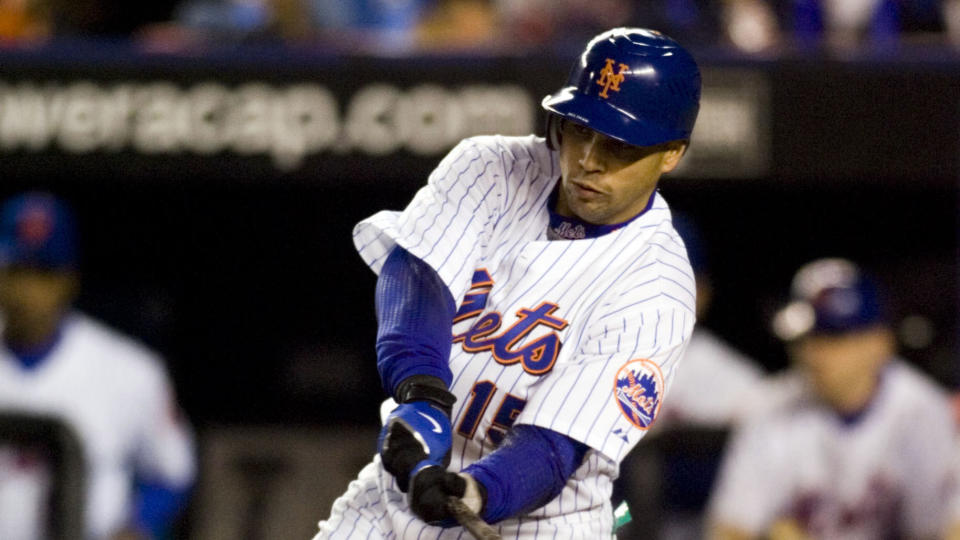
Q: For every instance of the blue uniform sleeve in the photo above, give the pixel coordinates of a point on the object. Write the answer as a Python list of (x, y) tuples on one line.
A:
[(530, 468), (157, 507), (415, 321)]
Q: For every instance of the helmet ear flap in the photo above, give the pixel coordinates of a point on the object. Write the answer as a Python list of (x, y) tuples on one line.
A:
[(554, 124)]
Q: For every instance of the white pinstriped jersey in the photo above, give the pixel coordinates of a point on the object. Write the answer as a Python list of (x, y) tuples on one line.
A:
[(578, 336), (113, 393), (885, 475)]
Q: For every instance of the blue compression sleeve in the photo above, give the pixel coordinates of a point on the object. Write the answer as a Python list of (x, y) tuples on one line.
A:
[(530, 468), (157, 506), (415, 321)]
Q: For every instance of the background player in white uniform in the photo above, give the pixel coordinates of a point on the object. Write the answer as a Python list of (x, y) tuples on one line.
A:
[(112, 392), (710, 389), (952, 529), (575, 299), (853, 443)]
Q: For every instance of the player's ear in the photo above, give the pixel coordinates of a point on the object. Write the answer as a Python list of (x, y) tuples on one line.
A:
[(674, 150), (554, 127)]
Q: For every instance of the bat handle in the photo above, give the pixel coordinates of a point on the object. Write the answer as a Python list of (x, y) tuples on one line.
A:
[(470, 521)]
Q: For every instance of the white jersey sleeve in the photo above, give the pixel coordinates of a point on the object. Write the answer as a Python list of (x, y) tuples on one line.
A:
[(166, 451), (448, 219)]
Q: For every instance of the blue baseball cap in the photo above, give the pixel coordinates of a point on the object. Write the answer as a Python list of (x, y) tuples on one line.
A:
[(37, 230), (829, 296)]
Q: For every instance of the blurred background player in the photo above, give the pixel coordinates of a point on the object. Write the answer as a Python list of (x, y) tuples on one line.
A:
[(709, 390), (112, 392), (850, 443), (952, 531)]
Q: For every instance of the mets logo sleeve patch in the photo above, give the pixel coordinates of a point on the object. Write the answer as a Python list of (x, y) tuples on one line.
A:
[(609, 397), (638, 389)]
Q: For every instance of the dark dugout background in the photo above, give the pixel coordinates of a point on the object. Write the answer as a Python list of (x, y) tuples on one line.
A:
[(233, 256)]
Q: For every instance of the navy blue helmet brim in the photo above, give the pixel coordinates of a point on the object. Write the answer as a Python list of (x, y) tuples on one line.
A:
[(606, 118)]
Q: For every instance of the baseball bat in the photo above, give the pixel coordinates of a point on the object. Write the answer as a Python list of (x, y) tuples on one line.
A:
[(471, 521)]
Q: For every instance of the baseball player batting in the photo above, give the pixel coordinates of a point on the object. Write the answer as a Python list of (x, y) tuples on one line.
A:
[(533, 302)]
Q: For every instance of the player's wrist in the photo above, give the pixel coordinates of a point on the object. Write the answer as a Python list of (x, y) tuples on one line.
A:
[(426, 388), (475, 494)]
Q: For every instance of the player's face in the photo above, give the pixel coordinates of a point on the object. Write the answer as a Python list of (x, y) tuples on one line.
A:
[(844, 368), (606, 181), (33, 302)]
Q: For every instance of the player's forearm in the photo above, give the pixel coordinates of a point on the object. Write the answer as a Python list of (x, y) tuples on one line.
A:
[(414, 313), (529, 469)]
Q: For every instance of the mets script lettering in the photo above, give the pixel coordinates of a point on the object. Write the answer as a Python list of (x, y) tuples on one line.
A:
[(635, 395), (537, 355), (609, 79), (638, 388)]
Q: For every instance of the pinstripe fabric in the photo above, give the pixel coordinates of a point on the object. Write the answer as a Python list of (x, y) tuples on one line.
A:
[(621, 297)]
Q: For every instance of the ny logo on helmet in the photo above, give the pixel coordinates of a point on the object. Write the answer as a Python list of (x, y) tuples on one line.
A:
[(609, 79)]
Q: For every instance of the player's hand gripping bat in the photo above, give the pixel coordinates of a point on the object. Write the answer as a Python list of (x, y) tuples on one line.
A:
[(437, 494)]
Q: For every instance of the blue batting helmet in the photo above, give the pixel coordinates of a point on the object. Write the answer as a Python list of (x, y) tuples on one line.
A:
[(829, 296), (632, 84), (37, 230)]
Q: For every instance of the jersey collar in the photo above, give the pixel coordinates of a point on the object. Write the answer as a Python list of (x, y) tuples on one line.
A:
[(31, 358), (573, 228)]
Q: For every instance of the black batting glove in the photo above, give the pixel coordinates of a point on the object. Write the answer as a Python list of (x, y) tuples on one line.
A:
[(432, 486), (417, 433), (400, 452)]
